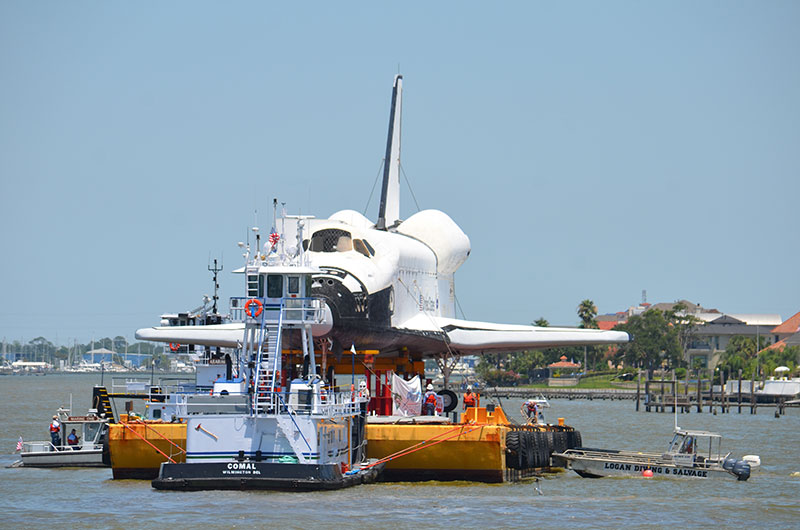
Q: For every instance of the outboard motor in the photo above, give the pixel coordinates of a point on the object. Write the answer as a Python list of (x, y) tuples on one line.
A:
[(742, 470), (728, 464)]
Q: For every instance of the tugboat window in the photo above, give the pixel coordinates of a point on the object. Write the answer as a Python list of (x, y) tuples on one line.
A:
[(255, 285), (274, 286), (294, 285)]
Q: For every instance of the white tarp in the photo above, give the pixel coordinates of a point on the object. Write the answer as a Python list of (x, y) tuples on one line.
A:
[(406, 396)]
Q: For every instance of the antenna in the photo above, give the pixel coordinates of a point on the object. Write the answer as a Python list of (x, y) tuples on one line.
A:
[(283, 228), (215, 270)]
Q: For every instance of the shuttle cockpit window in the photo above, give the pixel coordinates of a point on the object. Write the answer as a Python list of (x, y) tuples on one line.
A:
[(331, 240), (361, 247), (344, 244), (369, 247)]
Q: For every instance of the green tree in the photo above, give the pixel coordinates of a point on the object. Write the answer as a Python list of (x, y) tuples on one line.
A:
[(541, 322), (742, 353), (40, 349), (587, 312), (524, 363), (655, 341), (685, 324)]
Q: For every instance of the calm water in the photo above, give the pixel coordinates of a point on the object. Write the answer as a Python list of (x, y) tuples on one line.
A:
[(88, 498)]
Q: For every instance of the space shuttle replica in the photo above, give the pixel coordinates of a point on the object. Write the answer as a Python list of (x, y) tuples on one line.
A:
[(387, 285)]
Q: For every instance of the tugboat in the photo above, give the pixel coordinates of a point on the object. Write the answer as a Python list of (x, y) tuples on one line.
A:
[(253, 432)]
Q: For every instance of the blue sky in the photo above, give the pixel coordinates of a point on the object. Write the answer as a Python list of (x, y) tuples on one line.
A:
[(588, 149)]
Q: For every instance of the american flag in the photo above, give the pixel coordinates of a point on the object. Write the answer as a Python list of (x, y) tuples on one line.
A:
[(274, 237), (19, 444)]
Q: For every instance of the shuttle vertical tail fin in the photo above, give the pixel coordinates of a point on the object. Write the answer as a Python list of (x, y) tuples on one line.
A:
[(389, 212)]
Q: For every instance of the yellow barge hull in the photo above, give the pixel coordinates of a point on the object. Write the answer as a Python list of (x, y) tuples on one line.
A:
[(475, 449), (137, 449), (478, 448)]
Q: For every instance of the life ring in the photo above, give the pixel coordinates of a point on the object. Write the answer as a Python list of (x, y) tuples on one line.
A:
[(174, 346), (251, 302)]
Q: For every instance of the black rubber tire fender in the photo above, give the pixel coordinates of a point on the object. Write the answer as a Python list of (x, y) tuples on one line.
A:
[(450, 400), (513, 454)]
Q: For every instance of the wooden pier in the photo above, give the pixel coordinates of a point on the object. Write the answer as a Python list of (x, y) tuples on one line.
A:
[(665, 395), (660, 395)]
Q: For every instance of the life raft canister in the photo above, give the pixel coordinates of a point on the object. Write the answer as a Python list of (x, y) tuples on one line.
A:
[(255, 312)]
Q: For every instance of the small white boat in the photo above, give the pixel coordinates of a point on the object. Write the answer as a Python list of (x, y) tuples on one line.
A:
[(690, 455), (87, 452)]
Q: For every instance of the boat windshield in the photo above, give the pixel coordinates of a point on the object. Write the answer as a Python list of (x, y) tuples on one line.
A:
[(90, 432), (681, 443)]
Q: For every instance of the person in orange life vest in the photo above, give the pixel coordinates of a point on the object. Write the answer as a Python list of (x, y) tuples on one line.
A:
[(470, 399), (531, 410), (429, 401), (55, 429)]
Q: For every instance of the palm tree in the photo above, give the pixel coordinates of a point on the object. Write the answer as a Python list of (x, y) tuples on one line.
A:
[(586, 312)]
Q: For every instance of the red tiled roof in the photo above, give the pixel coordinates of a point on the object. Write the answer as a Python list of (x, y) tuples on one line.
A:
[(792, 325), (780, 345), (563, 363), (607, 324)]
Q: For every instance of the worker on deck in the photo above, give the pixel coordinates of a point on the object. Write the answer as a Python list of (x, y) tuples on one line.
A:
[(530, 409), (363, 391), (55, 430), (470, 399), (429, 401)]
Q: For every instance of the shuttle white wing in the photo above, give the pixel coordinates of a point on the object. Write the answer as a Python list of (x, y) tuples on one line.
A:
[(222, 335), (469, 336)]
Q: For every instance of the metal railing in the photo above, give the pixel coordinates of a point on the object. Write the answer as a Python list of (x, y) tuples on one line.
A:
[(299, 403), (142, 385), (48, 447), (292, 310)]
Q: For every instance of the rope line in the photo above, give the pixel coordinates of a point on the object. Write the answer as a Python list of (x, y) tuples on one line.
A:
[(421, 445), (178, 447), (402, 170), (165, 455), (373, 186)]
